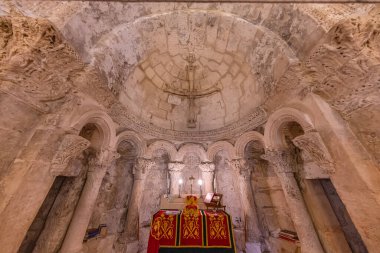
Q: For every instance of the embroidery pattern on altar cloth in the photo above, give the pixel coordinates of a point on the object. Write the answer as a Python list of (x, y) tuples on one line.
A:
[(218, 229), (163, 227)]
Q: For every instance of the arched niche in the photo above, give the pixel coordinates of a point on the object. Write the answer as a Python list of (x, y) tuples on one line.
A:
[(107, 135), (132, 137), (218, 146), (192, 148), (169, 148), (273, 137), (244, 139)]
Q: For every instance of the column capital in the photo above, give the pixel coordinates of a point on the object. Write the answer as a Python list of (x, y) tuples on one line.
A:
[(242, 167), (141, 167), (314, 149), (107, 156), (175, 166), (281, 159), (207, 167), (70, 147)]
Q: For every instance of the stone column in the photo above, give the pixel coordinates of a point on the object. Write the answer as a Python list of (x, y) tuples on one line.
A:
[(131, 229), (97, 168), (281, 161), (175, 171), (253, 233), (207, 170)]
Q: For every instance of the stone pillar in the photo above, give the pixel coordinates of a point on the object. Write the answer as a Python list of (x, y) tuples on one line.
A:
[(60, 214), (21, 200), (253, 233), (175, 171), (131, 230), (97, 168), (281, 161), (207, 170)]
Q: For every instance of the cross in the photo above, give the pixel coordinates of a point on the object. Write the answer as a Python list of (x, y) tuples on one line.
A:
[(191, 93)]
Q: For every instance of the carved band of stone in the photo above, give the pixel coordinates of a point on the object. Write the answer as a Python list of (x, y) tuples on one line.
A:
[(71, 146), (121, 116), (141, 168), (312, 146), (280, 159), (207, 167), (176, 166)]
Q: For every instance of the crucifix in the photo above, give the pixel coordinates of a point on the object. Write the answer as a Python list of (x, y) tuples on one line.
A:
[(191, 92)]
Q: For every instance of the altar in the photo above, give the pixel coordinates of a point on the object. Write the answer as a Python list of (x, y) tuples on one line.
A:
[(177, 203), (191, 230)]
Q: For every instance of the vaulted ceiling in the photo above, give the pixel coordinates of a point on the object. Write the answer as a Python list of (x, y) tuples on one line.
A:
[(243, 53)]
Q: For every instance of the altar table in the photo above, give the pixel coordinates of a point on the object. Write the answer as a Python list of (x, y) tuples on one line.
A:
[(191, 230)]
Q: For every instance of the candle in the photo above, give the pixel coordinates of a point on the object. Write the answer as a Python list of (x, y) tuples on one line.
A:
[(200, 182), (180, 182)]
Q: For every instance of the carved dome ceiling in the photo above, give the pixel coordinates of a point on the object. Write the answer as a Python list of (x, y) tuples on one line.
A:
[(220, 62)]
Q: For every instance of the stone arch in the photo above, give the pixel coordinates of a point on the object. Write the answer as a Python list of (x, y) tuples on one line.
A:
[(272, 133), (133, 137), (102, 121), (244, 139), (161, 144), (192, 148), (218, 146)]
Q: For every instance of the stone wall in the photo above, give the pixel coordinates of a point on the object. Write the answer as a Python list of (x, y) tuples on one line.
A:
[(327, 83)]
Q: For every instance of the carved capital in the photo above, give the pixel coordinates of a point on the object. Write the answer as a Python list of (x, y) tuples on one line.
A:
[(175, 167), (109, 157), (207, 167), (313, 148), (70, 147), (141, 168), (280, 159), (242, 167)]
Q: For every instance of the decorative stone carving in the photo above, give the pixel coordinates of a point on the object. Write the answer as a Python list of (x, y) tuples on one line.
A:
[(161, 145), (207, 167), (281, 159), (98, 165), (218, 146), (244, 139), (71, 146), (41, 81), (121, 116), (312, 144), (208, 170), (244, 171), (141, 168), (176, 166), (242, 168), (348, 60), (131, 229), (175, 172)]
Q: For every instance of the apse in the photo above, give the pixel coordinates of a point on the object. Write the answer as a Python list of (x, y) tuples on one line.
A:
[(215, 127)]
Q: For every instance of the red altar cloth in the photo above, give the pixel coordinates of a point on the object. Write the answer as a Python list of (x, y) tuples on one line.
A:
[(207, 231)]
